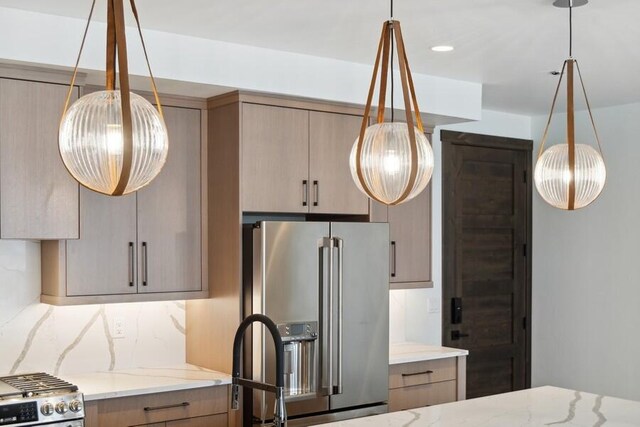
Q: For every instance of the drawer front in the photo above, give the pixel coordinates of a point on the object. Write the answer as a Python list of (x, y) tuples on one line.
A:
[(430, 371), (219, 420), (161, 407), (418, 396)]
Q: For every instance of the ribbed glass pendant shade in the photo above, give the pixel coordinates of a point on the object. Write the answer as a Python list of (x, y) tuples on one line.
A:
[(91, 142), (386, 161), (552, 175)]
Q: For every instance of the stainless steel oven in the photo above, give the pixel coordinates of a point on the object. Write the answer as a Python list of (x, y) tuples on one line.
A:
[(39, 399)]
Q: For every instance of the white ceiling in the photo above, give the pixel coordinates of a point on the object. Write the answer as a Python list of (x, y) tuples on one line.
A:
[(508, 45)]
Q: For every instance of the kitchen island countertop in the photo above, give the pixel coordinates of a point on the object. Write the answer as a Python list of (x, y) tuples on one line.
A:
[(134, 382), (408, 352), (540, 406)]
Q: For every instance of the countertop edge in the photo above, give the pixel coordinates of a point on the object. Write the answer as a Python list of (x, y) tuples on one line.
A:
[(398, 360), (154, 389)]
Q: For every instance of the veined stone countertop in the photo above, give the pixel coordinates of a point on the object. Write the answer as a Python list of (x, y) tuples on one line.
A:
[(408, 352), (543, 406), (134, 382)]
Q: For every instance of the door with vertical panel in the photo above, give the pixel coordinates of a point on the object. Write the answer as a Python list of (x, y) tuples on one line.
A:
[(332, 189), (486, 267), (410, 233), (169, 212), (275, 159), (38, 197), (103, 262)]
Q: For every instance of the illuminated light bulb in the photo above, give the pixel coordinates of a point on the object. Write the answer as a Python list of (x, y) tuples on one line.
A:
[(91, 141), (553, 176), (386, 161)]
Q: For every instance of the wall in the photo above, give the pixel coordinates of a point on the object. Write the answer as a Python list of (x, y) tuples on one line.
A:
[(586, 290), (54, 40), (59, 340), (415, 314)]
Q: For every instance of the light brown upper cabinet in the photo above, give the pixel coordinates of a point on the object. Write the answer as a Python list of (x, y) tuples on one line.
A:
[(332, 190), (410, 240), (143, 246), (169, 212), (296, 160), (38, 198), (275, 159)]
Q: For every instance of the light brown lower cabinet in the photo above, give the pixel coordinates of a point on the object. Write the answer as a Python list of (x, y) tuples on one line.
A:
[(427, 383), (219, 420), (198, 407)]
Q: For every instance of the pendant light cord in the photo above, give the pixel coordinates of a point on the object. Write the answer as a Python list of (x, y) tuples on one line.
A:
[(570, 28), (391, 68)]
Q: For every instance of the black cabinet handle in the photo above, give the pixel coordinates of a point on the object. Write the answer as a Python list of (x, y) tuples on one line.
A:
[(131, 264), (393, 258), (418, 373), (144, 263), (305, 192), (316, 193), (157, 408)]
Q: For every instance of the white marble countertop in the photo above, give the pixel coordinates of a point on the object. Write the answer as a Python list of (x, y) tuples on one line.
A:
[(414, 352), (133, 382), (543, 406)]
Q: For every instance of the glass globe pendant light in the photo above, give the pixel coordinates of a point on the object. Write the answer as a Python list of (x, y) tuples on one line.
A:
[(113, 141), (570, 176), (391, 162)]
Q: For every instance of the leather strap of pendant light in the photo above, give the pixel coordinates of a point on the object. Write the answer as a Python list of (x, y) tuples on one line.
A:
[(367, 112), (414, 99), (571, 137), (110, 83), (384, 75), (586, 100), (134, 9), (404, 72), (409, 95), (75, 68), (545, 135), (125, 97)]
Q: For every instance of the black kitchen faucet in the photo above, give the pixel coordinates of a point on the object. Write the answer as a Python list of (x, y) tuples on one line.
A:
[(280, 416)]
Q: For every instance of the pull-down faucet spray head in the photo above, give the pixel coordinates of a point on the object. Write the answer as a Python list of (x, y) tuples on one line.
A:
[(280, 416)]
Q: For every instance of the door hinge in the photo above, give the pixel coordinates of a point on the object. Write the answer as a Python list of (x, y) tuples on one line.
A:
[(524, 249), (524, 323), (524, 176)]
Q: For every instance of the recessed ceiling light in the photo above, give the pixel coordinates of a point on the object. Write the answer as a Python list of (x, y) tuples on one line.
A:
[(566, 3), (442, 48)]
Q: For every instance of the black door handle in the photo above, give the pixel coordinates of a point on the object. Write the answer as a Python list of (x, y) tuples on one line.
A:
[(456, 335)]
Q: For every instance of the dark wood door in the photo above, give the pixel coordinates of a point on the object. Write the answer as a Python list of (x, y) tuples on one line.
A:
[(486, 258)]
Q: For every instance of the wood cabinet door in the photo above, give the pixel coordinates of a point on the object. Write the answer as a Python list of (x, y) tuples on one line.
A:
[(410, 231), (331, 188), (275, 159), (102, 262), (169, 212), (38, 197)]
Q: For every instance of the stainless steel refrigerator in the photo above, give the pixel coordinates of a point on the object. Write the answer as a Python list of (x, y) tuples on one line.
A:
[(326, 286)]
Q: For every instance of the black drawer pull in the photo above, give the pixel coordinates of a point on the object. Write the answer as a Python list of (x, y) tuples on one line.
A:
[(418, 373), (157, 408)]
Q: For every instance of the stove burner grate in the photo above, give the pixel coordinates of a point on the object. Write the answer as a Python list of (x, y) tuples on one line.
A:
[(38, 383)]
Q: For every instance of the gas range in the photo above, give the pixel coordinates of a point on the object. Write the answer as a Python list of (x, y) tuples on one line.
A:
[(37, 399)]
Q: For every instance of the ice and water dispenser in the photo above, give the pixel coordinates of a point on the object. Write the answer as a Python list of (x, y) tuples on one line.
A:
[(300, 346)]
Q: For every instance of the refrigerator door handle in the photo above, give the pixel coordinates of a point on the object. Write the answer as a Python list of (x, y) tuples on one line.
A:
[(327, 316), (339, 243)]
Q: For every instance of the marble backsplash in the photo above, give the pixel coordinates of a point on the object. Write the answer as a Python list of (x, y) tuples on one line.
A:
[(59, 340)]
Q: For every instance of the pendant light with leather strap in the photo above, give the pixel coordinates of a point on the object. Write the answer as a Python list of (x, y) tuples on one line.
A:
[(570, 176), (113, 141), (392, 162)]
